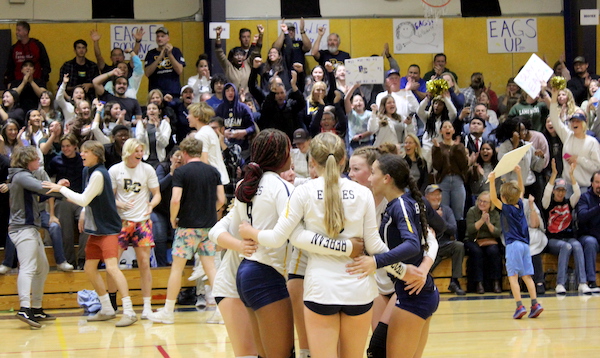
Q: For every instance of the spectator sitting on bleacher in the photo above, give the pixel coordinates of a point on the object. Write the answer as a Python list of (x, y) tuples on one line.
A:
[(449, 246), (588, 215), (560, 229)]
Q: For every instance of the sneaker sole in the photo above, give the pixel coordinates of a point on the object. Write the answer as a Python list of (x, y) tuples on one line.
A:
[(537, 313), (520, 315), (161, 321), (29, 321), (126, 322), (52, 318)]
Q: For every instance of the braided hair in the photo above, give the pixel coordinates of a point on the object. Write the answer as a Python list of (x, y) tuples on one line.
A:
[(270, 151), (398, 169)]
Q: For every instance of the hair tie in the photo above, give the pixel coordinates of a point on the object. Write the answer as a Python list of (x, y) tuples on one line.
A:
[(254, 165), (331, 154)]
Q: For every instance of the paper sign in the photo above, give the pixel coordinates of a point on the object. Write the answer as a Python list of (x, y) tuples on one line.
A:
[(121, 36), (212, 31), (510, 160), (418, 35), (364, 70), (588, 17), (311, 27), (512, 35), (533, 73)]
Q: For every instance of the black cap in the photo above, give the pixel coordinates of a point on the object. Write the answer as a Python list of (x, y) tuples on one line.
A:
[(117, 128), (300, 136), (579, 59)]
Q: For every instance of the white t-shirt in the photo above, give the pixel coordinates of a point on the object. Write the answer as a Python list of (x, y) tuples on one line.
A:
[(133, 185), (300, 161), (211, 145)]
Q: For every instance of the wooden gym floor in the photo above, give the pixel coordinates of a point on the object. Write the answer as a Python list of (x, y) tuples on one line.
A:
[(470, 326)]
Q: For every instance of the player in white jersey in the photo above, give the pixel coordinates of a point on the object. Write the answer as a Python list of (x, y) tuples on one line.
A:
[(137, 192), (261, 284), (337, 304)]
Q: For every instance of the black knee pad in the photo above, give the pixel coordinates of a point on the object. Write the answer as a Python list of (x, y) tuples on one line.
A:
[(377, 345)]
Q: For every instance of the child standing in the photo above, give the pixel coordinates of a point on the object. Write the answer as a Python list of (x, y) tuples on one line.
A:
[(516, 234)]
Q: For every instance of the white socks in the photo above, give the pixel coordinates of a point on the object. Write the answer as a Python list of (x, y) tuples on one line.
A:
[(147, 303), (107, 307), (127, 306), (170, 306)]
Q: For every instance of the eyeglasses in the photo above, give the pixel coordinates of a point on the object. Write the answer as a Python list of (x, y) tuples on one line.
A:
[(483, 201)]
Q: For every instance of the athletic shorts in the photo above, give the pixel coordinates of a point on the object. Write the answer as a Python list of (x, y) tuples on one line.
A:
[(518, 259), (423, 305), (136, 234), (189, 241), (259, 285), (297, 265), (328, 310), (102, 247)]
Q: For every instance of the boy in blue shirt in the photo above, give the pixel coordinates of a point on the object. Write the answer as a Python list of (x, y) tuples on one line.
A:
[(516, 235)]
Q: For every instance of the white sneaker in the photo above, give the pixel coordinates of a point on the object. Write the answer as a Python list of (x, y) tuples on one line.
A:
[(162, 317), (560, 289), (146, 312), (65, 266), (198, 273), (4, 269), (584, 288), (200, 301), (216, 318)]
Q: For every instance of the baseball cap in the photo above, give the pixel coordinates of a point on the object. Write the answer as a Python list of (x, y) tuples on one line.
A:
[(162, 29), (184, 88), (290, 25), (579, 59), (579, 117), (300, 136), (393, 71), (431, 188), (560, 184)]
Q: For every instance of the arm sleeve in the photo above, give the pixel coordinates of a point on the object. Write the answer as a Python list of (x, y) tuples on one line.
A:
[(591, 161), (576, 195), (98, 134), (288, 220), (421, 112), (221, 226), (92, 190), (320, 244), (411, 245), (547, 195), (373, 125), (433, 246), (451, 109), (561, 129), (163, 133)]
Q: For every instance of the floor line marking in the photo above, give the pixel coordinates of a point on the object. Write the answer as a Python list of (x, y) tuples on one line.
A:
[(163, 352)]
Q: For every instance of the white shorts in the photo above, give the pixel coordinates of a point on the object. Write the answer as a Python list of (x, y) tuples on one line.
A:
[(384, 282), (297, 264), (224, 285)]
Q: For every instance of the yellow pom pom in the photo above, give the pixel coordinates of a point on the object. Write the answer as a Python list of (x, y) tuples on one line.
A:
[(558, 82), (437, 87)]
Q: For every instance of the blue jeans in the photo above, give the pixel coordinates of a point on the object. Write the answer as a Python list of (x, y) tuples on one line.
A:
[(454, 195), (590, 250), (56, 236), (9, 253), (483, 259), (161, 227), (563, 249)]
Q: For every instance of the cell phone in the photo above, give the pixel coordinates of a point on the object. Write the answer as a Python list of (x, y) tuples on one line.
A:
[(567, 156)]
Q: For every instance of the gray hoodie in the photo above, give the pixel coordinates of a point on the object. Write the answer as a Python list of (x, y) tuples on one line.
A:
[(25, 191)]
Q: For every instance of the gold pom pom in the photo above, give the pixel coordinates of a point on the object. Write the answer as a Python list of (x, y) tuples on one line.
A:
[(437, 87), (558, 82)]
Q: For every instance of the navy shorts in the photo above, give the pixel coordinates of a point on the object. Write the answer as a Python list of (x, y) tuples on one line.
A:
[(259, 285), (328, 310), (423, 305)]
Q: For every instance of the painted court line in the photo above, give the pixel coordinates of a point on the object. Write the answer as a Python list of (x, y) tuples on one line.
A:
[(163, 352)]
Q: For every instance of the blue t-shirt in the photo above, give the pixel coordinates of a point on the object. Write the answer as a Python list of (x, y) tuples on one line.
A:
[(514, 223)]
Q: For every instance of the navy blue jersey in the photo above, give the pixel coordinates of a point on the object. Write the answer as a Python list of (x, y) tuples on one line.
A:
[(514, 223)]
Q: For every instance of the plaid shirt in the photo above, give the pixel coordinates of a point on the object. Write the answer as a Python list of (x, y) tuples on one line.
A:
[(75, 78)]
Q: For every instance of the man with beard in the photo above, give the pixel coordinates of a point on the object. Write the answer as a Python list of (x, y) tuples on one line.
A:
[(439, 67), (588, 213), (333, 53), (237, 70), (120, 84), (580, 83), (164, 65), (475, 88), (27, 48)]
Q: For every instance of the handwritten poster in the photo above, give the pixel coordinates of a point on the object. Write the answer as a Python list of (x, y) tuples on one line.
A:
[(311, 27), (418, 35), (212, 31), (121, 36), (512, 35), (532, 74), (364, 70)]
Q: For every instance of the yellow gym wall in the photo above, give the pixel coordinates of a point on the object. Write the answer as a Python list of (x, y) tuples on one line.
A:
[(465, 44)]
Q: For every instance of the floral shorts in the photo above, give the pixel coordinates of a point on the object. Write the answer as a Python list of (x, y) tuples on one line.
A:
[(189, 241), (138, 234)]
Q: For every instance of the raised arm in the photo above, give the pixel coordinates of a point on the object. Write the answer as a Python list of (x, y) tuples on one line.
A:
[(493, 195), (95, 35), (315, 47)]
